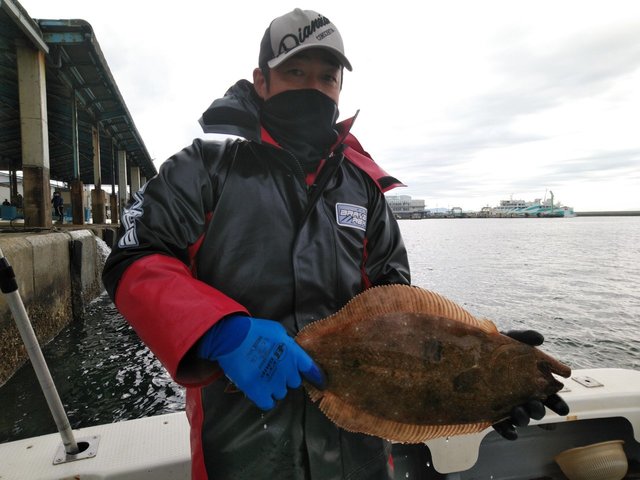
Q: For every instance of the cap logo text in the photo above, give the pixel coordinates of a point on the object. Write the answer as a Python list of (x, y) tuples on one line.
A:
[(291, 40)]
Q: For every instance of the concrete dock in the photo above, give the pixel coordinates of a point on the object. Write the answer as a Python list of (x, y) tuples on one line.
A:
[(58, 272)]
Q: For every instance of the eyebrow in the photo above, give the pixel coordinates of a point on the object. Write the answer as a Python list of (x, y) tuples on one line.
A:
[(324, 56)]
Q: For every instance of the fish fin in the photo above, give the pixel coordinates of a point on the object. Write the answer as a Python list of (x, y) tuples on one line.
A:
[(385, 299), (313, 392), (487, 326), (428, 301), (352, 419)]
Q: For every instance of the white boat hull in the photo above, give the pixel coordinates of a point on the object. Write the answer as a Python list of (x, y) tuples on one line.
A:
[(605, 405)]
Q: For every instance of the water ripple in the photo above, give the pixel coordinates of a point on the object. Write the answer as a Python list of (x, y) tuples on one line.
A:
[(575, 280)]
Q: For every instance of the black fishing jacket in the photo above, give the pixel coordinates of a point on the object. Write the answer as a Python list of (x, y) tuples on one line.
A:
[(233, 227)]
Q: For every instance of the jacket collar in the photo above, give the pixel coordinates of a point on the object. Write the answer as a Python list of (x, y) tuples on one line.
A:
[(236, 113)]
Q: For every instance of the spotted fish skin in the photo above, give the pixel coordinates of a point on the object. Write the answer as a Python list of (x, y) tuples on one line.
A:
[(407, 364)]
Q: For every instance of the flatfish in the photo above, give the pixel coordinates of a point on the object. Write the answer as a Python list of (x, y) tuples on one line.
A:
[(408, 365)]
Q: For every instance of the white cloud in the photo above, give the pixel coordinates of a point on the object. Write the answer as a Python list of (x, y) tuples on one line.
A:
[(468, 102)]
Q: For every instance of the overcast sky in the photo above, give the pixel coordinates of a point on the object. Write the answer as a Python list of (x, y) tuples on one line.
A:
[(467, 102)]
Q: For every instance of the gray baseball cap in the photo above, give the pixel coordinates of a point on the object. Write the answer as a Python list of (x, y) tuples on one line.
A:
[(297, 31)]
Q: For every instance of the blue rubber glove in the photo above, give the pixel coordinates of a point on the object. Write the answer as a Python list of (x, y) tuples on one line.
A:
[(259, 357)]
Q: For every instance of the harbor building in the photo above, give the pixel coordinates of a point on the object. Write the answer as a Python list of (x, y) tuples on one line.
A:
[(403, 206)]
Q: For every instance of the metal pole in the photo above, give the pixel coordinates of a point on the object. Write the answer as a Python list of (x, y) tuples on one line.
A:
[(9, 287)]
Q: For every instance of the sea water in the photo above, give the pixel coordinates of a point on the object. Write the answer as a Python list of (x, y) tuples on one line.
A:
[(576, 280)]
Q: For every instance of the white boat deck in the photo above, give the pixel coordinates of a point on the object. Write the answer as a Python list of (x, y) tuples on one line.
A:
[(151, 448)]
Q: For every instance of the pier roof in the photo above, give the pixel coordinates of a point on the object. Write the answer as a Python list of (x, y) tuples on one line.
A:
[(74, 63)]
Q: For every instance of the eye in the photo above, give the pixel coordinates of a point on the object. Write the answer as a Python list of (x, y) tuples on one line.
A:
[(295, 72), (330, 78)]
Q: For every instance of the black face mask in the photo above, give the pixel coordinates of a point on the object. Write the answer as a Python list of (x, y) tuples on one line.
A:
[(303, 122)]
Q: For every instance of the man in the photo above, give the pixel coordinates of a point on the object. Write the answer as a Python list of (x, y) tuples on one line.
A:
[(236, 245), (58, 206)]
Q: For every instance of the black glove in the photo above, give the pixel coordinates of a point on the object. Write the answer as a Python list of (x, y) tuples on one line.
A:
[(521, 415), (530, 337)]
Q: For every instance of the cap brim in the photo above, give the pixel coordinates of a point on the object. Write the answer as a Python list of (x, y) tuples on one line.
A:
[(273, 63)]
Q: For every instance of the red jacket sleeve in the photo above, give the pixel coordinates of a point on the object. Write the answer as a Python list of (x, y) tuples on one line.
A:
[(170, 310), (148, 274)]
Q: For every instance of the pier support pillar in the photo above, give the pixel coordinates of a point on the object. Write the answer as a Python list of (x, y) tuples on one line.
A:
[(123, 196), (98, 207), (115, 211), (34, 133), (77, 201), (135, 179)]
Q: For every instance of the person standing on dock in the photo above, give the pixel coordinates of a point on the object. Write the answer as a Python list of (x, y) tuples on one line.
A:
[(58, 206), (236, 245)]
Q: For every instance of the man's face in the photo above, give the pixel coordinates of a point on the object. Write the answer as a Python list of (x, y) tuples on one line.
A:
[(313, 68)]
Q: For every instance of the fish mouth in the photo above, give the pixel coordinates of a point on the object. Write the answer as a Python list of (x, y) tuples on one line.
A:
[(548, 383), (549, 365)]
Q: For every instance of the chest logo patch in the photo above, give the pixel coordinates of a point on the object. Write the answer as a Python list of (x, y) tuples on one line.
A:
[(352, 216)]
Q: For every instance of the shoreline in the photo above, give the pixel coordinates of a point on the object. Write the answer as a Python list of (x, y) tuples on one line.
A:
[(612, 213)]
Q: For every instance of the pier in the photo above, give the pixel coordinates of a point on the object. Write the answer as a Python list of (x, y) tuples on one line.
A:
[(66, 128)]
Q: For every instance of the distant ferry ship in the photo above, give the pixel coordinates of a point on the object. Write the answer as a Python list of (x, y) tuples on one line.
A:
[(537, 209)]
